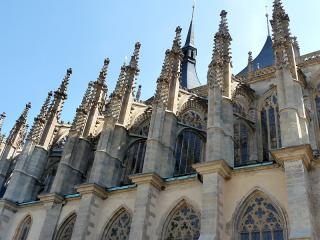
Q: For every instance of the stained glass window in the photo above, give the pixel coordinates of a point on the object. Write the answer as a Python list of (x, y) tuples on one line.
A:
[(261, 220), (189, 150), (270, 126), (66, 229), (183, 224), (192, 119), (241, 143), (134, 159), (23, 229), (119, 227)]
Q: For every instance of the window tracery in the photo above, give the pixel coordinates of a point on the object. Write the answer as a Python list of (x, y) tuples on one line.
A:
[(23, 229), (134, 159), (189, 149), (66, 229), (183, 224), (261, 219), (142, 129), (270, 126), (119, 229), (192, 119)]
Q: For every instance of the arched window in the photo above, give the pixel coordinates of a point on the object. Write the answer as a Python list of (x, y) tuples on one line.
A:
[(183, 223), (119, 227), (261, 219), (270, 126), (23, 229), (133, 162), (241, 143), (66, 229), (189, 150)]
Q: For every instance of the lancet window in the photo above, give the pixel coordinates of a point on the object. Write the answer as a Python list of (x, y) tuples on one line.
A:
[(270, 126), (66, 229), (189, 150), (23, 229), (182, 224), (119, 227), (241, 143), (133, 162), (261, 219)]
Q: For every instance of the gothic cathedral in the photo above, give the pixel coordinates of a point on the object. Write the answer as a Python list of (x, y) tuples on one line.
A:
[(235, 159)]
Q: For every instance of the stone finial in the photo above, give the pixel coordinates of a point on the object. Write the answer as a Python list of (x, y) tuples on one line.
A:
[(250, 62), (138, 95), (39, 121), (114, 106), (176, 46), (103, 72), (221, 53), (65, 82), (79, 121), (2, 117), (280, 24), (18, 130), (135, 58)]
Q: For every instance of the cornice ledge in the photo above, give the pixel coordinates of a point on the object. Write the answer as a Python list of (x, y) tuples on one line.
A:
[(294, 153), (92, 188), (216, 166), (148, 178), (51, 198), (6, 204)]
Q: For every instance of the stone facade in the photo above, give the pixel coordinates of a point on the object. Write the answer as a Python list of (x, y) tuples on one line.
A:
[(235, 159)]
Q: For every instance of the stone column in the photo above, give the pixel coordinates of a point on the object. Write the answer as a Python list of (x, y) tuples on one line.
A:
[(73, 165), (26, 177), (149, 187), (214, 174), (107, 165), (53, 204), (92, 197), (296, 162), (7, 210)]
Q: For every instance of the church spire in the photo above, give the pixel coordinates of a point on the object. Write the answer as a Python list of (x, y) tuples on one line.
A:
[(267, 17), (189, 78), (190, 36)]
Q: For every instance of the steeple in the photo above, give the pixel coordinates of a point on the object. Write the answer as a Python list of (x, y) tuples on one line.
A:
[(39, 122), (189, 78)]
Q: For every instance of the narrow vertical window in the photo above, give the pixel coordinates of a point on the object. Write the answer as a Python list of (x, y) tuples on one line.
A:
[(134, 159), (23, 229), (189, 150), (241, 143)]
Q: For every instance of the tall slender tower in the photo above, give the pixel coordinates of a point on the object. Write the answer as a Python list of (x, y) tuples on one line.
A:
[(189, 77)]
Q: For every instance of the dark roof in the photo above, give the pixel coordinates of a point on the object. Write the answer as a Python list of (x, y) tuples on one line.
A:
[(264, 59)]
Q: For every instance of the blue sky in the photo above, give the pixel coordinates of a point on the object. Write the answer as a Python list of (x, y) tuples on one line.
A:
[(41, 39)]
